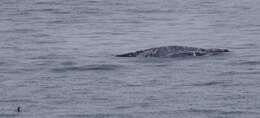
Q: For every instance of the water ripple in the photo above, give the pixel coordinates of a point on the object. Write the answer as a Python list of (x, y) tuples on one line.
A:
[(220, 112), (245, 63), (48, 3), (2, 63), (208, 83), (49, 56), (97, 67), (17, 101), (56, 59), (99, 115), (8, 115), (138, 11), (228, 73), (19, 31)]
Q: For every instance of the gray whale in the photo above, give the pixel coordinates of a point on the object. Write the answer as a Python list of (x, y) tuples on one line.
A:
[(174, 51)]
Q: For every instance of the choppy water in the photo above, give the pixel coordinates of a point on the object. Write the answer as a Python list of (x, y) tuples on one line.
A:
[(57, 59)]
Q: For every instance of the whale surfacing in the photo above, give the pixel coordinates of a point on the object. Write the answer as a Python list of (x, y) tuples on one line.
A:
[(174, 51)]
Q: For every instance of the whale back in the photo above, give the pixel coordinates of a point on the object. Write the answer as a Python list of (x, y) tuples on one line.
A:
[(173, 51)]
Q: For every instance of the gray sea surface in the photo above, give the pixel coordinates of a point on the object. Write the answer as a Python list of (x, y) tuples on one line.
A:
[(57, 59)]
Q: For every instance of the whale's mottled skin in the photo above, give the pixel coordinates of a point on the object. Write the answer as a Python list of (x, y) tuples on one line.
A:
[(174, 51)]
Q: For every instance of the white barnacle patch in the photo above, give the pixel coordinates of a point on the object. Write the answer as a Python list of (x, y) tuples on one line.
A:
[(155, 51), (194, 54)]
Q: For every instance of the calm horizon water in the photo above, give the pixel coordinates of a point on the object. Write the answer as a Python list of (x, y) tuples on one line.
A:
[(57, 59)]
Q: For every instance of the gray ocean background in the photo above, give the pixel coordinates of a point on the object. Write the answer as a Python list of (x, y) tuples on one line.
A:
[(57, 59)]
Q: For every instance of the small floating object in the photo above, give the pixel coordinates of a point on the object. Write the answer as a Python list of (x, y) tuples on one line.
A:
[(19, 109)]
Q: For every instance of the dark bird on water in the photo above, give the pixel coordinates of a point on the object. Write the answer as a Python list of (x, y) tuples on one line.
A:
[(19, 109)]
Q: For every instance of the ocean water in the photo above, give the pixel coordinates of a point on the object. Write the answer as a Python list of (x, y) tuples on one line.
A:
[(57, 59)]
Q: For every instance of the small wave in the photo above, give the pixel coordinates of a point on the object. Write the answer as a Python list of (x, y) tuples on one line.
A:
[(101, 67), (49, 42), (17, 101), (239, 73), (40, 35), (48, 3), (47, 10), (8, 115), (124, 107), (248, 63), (61, 12), (49, 56), (220, 112), (19, 31), (134, 85), (149, 11), (68, 63), (2, 63), (228, 73), (207, 83), (246, 46), (98, 115), (56, 22)]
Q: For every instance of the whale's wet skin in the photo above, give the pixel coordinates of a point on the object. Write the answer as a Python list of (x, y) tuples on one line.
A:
[(174, 51), (58, 59)]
